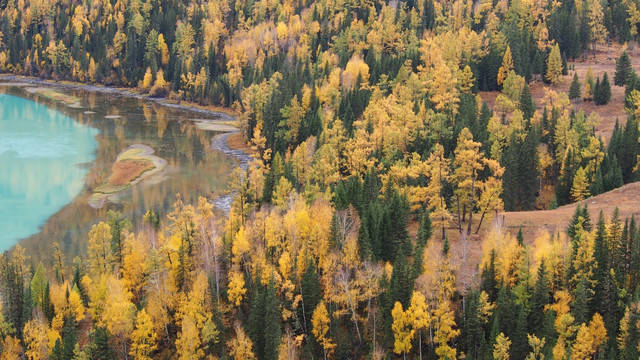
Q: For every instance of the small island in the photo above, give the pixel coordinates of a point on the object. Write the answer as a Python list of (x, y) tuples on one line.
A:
[(131, 166)]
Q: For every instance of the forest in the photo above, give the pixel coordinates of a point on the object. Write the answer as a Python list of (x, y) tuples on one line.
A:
[(374, 152)]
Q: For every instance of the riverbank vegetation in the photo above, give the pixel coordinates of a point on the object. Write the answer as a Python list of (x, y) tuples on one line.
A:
[(376, 162)]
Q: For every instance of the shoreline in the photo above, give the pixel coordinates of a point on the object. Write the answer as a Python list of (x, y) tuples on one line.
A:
[(99, 196), (224, 115), (18, 80)]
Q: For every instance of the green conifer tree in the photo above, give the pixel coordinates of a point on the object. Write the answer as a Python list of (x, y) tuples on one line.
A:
[(539, 299), (623, 70), (575, 91), (527, 105)]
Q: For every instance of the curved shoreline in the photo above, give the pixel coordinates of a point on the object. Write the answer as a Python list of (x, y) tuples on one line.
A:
[(18, 80), (218, 142), (98, 198)]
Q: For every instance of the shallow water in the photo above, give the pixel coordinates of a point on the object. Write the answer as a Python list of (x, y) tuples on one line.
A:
[(193, 168), (40, 150)]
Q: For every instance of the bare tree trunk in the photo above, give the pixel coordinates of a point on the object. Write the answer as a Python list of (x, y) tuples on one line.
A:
[(473, 182), (480, 223), (304, 316), (459, 215)]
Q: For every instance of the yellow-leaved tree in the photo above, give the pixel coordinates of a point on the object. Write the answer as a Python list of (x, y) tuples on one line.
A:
[(438, 173), (467, 163), (444, 323), (554, 65), (320, 321), (580, 187), (501, 347), (99, 249), (144, 339), (507, 66), (402, 331), (236, 289), (419, 314), (241, 347)]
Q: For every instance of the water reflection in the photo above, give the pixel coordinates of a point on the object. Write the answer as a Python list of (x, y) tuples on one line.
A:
[(192, 168), (40, 150)]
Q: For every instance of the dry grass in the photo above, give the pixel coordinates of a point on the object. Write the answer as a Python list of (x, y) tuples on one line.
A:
[(237, 142), (624, 198), (125, 171), (605, 61), (54, 95), (467, 251)]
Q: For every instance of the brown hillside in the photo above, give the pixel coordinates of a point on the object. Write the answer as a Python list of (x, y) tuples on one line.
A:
[(467, 252), (626, 198), (605, 61)]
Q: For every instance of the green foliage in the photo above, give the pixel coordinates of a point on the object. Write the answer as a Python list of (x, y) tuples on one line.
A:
[(623, 70), (574, 91), (602, 91)]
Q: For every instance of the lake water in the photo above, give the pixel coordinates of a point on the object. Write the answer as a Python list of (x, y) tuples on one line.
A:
[(40, 153), (55, 155)]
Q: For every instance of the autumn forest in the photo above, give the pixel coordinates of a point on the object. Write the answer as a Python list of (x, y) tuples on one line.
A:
[(386, 137)]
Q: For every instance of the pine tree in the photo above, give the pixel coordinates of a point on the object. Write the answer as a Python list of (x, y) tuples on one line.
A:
[(623, 70), (605, 90), (540, 298), (488, 276), (520, 237), (401, 284), (597, 186), (271, 323), (527, 105), (554, 66), (597, 92), (520, 346), (574, 90)]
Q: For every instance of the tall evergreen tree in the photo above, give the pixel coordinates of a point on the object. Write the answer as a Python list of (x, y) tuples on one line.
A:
[(575, 91), (401, 284), (539, 299), (623, 70), (527, 105)]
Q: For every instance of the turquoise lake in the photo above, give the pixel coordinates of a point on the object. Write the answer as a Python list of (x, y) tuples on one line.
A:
[(43, 165), (55, 153)]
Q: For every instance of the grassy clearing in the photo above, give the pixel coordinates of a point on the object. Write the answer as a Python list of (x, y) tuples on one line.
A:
[(604, 61)]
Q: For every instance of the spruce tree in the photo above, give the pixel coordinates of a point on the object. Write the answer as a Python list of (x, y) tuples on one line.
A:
[(597, 186), (601, 257), (574, 90), (401, 284), (488, 276), (597, 93), (580, 304), (527, 105), (539, 299), (623, 70), (520, 345), (520, 237), (576, 220), (311, 292), (271, 323), (424, 233), (605, 90)]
